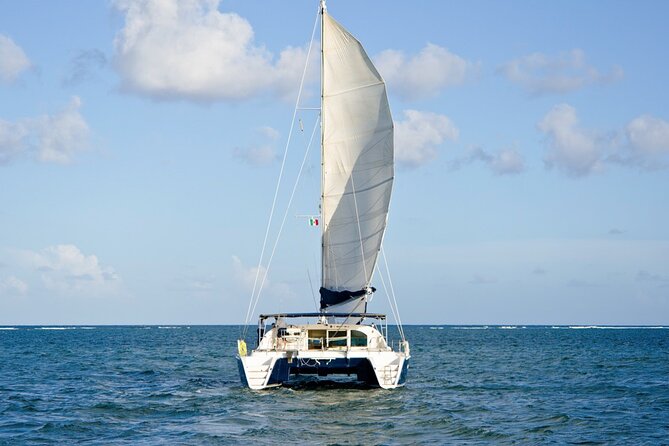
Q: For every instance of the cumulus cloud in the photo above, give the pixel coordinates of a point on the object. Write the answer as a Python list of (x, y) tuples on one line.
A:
[(649, 134), (245, 276), (503, 162), (418, 136), (261, 153), (83, 66), (64, 268), (572, 149), (425, 74), (13, 61), (539, 73), (647, 144), (643, 143), (56, 138), (13, 140), (171, 49), (12, 286)]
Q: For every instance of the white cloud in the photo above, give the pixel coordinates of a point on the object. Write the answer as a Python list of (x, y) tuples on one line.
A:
[(13, 61), (573, 150), (507, 162), (61, 136), (49, 138), (419, 135), (64, 268), (425, 74), (187, 49), (649, 135), (13, 286), (13, 140), (262, 153), (245, 276), (542, 74), (643, 144), (504, 162)]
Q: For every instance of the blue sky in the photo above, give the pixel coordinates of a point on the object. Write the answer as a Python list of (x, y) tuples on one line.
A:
[(140, 142)]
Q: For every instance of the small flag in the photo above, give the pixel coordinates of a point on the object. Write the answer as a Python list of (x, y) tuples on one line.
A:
[(313, 221)]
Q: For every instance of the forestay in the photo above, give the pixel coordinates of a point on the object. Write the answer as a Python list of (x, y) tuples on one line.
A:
[(358, 168)]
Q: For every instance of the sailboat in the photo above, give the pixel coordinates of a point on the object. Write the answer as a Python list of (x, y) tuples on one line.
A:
[(357, 172)]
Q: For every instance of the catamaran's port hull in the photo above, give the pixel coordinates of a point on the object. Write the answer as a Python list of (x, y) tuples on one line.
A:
[(275, 370)]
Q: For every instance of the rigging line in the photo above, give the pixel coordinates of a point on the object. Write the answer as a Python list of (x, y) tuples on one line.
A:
[(392, 290), (283, 163), (285, 215), (362, 250), (357, 217), (385, 288), (311, 287)]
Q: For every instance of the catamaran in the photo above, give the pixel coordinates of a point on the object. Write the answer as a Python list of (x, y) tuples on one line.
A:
[(357, 172)]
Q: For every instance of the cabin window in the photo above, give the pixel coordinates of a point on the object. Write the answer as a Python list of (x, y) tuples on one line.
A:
[(316, 339), (358, 339), (337, 338)]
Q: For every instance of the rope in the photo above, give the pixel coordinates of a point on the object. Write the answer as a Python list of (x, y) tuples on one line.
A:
[(396, 310), (357, 217), (278, 184), (386, 289)]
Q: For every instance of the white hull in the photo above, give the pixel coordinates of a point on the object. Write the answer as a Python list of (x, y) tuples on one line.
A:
[(358, 350)]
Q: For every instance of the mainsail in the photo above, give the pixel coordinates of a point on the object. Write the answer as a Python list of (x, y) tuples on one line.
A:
[(357, 168)]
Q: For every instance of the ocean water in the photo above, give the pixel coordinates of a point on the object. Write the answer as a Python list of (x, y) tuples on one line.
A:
[(467, 385)]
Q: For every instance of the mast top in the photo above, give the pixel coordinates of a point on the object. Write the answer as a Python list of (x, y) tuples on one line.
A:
[(323, 7)]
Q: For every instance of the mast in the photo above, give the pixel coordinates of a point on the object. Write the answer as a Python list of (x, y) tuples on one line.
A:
[(323, 9)]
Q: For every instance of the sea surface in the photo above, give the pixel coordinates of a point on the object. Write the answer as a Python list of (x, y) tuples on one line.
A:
[(467, 385)]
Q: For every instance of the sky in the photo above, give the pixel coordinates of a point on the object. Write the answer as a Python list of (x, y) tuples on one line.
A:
[(141, 142)]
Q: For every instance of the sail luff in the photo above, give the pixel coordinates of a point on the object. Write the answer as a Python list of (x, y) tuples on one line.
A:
[(322, 203)]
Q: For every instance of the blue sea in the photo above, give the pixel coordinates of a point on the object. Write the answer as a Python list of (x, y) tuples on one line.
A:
[(467, 385)]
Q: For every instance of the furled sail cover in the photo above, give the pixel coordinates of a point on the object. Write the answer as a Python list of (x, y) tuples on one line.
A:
[(357, 168)]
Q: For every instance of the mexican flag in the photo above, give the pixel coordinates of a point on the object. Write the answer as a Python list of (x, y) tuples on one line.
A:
[(313, 221)]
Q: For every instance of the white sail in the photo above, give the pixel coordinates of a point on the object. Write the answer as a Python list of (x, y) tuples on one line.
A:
[(358, 168)]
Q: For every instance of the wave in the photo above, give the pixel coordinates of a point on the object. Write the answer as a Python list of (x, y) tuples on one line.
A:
[(477, 327), (55, 328), (8, 328), (614, 327), (436, 328)]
